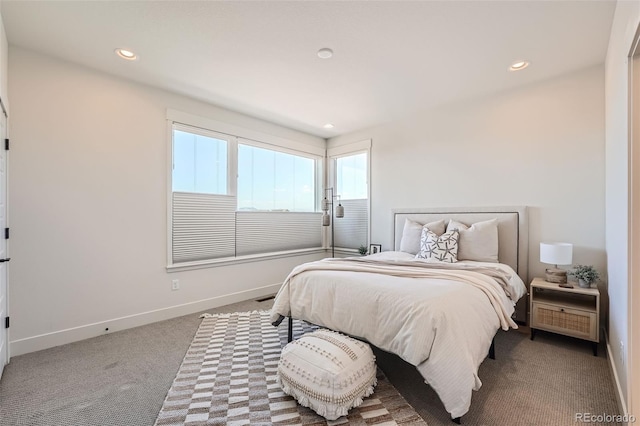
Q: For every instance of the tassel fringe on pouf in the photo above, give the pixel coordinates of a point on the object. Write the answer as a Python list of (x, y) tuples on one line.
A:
[(327, 372)]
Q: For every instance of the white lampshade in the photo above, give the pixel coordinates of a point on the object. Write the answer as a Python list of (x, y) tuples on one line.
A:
[(556, 253), (339, 211)]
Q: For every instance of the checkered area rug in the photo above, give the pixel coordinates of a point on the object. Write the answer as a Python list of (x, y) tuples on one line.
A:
[(228, 377)]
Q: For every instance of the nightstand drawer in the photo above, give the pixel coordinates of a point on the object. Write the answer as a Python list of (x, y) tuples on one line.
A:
[(571, 322)]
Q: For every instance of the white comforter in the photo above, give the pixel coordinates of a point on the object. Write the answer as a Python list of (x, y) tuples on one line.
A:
[(441, 321)]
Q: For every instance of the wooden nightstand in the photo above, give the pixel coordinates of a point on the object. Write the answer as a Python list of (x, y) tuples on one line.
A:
[(572, 312)]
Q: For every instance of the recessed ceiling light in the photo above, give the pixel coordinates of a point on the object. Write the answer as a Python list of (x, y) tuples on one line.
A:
[(325, 53), (126, 54), (328, 126), (518, 65)]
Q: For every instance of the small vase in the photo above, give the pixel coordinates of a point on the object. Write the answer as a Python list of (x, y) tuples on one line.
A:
[(583, 284)]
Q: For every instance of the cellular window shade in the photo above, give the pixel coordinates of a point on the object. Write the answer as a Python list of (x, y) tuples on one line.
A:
[(203, 226), (264, 232), (352, 230)]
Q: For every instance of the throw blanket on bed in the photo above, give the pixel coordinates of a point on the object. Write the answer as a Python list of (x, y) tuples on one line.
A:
[(492, 282)]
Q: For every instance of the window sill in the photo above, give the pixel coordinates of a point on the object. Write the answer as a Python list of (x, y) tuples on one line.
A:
[(344, 251), (227, 261)]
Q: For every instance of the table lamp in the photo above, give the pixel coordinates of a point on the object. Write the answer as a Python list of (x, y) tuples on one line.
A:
[(556, 254)]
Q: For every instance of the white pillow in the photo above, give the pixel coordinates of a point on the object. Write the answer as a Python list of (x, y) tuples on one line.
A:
[(478, 242), (443, 248), (412, 232)]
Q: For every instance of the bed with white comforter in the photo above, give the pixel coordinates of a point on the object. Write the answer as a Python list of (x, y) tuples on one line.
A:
[(439, 318)]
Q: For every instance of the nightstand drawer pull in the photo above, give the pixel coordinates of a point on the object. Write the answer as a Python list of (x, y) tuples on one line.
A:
[(561, 309)]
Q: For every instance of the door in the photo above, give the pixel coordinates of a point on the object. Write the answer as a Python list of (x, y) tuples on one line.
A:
[(4, 341)]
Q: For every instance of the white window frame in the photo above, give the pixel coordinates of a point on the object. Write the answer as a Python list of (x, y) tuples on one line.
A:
[(232, 152), (235, 134)]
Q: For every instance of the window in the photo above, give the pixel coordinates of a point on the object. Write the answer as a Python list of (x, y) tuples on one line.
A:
[(272, 180), (350, 176), (277, 193), (233, 197), (199, 162), (202, 212)]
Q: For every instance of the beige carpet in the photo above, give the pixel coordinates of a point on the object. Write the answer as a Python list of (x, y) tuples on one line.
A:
[(124, 377), (228, 378), (538, 383)]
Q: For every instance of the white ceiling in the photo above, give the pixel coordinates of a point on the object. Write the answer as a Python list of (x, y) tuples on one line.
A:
[(259, 58)]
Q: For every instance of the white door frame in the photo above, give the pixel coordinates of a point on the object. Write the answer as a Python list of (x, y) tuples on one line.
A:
[(4, 277), (633, 346)]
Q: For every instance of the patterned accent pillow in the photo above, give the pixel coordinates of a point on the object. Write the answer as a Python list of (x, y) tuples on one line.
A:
[(443, 248)]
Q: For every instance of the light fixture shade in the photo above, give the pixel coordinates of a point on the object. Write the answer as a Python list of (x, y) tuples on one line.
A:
[(340, 211), (556, 253), (326, 219), (325, 204)]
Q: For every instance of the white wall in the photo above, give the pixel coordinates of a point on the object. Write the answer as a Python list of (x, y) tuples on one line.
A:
[(541, 146), (4, 52), (88, 206), (626, 20)]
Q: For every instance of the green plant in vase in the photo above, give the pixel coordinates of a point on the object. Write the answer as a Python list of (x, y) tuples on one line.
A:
[(362, 250), (585, 274)]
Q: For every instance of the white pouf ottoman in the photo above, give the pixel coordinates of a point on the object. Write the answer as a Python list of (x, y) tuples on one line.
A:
[(327, 372)]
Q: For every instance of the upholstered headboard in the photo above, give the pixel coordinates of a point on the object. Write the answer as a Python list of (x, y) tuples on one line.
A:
[(513, 229)]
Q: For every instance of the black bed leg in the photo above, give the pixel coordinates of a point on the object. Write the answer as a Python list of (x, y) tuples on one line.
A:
[(457, 420), (492, 349), (290, 332)]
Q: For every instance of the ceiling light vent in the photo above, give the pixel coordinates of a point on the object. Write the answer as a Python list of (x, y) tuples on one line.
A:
[(325, 53)]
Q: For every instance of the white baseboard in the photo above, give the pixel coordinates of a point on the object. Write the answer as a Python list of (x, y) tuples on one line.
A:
[(69, 335), (622, 406)]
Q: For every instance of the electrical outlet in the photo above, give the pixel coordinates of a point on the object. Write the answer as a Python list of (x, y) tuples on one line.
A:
[(621, 352), (175, 285)]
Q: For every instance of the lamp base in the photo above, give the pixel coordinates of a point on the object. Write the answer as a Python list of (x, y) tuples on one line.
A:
[(558, 276)]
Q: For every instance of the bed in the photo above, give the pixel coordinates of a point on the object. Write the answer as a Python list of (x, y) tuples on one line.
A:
[(440, 317)]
